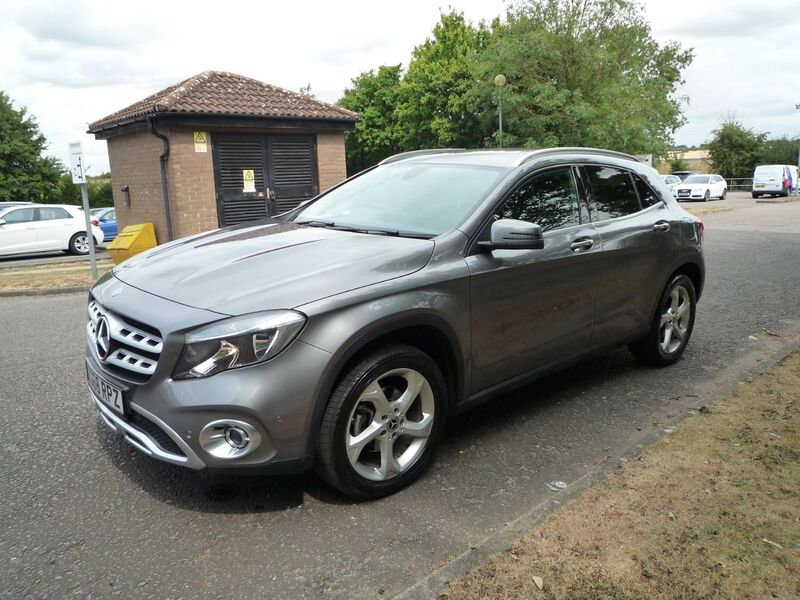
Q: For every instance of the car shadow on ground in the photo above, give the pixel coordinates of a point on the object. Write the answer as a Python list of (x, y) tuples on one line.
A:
[(210, 492)]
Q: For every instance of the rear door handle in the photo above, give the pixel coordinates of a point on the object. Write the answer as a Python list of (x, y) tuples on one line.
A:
[(582, 244), (661, 226)]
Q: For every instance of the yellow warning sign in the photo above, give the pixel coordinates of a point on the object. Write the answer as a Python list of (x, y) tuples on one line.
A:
[(200, 144), (249, 179)]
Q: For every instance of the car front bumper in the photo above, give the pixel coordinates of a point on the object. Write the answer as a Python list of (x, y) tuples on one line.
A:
[(167, 419)]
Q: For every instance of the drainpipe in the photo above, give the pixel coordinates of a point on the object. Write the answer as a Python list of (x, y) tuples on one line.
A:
[(164, 186)]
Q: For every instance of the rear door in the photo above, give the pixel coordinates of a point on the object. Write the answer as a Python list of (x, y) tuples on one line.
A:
[(639, 237), (54, 228), (258, 175), (18, 234), (531, 307)]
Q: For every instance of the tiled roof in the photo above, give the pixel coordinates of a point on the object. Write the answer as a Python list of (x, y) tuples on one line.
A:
[(220, 93)]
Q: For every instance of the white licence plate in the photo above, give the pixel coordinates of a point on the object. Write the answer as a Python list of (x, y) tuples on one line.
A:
[(759, 185), (108, 393)]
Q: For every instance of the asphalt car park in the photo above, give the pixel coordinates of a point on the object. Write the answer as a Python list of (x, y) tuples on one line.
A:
[(85, 514)]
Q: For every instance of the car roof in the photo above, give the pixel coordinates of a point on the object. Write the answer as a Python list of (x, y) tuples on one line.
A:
[(495, 158)]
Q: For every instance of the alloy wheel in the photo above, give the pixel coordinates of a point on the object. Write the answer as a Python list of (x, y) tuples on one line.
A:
[(390, 424), (82, 244), (675, 320)]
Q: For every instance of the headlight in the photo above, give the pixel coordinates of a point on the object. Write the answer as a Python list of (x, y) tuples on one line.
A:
[(237, 342)]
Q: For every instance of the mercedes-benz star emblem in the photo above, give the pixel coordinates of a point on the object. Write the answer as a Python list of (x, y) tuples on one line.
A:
[(102, 338)]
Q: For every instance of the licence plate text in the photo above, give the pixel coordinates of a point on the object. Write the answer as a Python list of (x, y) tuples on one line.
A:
[(105, 391)]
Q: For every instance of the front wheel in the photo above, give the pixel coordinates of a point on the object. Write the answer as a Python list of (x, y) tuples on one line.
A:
[(707, 197), (382, 423), (671, 327)]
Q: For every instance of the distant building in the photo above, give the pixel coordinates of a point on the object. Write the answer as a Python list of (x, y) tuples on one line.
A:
[(697, 160), (219, 149)]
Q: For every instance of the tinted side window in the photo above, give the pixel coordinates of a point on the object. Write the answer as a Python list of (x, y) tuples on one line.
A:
[(550, 199), (49, 214), (22, 215), (647, 196), (613, 193)]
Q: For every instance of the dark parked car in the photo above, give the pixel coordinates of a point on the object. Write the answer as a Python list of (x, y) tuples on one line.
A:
[(342, 334), (682, 175)]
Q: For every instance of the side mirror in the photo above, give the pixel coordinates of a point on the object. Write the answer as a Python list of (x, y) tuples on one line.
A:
[(511, 234)]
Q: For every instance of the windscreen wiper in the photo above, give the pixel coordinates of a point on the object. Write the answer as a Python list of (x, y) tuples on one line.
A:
[(368, 230)]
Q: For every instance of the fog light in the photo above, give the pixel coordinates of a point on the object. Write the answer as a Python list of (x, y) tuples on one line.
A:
[(228, 439)]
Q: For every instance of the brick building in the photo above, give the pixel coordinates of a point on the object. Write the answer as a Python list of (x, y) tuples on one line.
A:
[(219, 149)]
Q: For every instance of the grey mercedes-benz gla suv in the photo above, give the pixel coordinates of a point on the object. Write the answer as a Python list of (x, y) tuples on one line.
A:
[(342, 334)]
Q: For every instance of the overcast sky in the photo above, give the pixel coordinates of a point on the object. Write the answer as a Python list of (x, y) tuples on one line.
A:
[(72, 62)]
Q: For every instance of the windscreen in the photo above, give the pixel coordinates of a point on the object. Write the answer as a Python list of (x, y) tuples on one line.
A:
[(696, 179), (420, 198)]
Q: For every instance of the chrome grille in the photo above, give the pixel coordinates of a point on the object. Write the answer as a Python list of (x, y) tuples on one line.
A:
[(132, 349)]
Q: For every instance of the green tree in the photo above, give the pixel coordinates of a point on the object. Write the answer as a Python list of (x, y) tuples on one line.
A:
[(436, 107), (735, 150), (305, 90), (677, 163), (582, 73), (66, 192), (25, 174), (780, 151), (374, 95)]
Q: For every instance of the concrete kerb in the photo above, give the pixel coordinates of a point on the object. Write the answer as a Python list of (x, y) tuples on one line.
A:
[(749, 366)]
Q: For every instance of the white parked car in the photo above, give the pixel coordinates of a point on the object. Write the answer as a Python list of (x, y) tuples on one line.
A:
[(44, 228), (702, 187), (672, 182)]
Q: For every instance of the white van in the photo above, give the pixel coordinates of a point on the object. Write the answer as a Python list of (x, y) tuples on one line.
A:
[(775, 180)]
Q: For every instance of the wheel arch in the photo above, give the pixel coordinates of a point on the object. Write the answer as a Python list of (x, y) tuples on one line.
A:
[(430, 333)]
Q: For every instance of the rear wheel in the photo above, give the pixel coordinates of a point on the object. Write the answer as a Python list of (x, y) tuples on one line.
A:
[(382, 423), (671, 327), (724, 194), (756, 195), (79, 244)]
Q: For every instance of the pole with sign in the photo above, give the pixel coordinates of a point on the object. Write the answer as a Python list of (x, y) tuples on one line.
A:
[(79, 177)]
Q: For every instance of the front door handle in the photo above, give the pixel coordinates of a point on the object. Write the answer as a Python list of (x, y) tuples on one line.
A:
[(661, 226), (582, 244)]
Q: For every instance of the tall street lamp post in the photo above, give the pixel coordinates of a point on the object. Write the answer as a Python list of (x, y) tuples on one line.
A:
[(500, 82)]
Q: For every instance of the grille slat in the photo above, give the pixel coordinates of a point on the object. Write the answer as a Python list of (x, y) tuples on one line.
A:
[(133, 349)]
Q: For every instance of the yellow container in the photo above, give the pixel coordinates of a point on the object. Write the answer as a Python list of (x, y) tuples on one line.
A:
[(131, 241)]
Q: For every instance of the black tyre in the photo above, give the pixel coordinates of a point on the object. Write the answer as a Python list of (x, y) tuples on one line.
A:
[(671, 327), (382, 423), (756, 195), (724, 194), (707, 197), (79, 244)]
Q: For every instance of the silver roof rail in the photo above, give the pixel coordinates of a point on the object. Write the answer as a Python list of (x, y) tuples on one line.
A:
[(575, 150), (413, 153)]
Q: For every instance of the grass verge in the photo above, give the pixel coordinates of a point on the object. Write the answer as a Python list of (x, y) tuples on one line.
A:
[(48, 277), (710, 511)]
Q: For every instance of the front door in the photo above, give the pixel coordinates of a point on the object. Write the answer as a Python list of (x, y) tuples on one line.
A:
[(531, 307), (18, 233), (262, 175)]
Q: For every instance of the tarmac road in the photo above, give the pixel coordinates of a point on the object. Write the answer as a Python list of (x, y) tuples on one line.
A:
[(84, 515)]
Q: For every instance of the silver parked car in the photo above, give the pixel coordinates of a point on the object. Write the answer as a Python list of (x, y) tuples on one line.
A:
[(342, 334)]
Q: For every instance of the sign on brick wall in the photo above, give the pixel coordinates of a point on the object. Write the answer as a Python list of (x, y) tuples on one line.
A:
[(200, 143)]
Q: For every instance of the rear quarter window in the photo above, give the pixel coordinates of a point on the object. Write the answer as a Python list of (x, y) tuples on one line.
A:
[(646, 194)]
